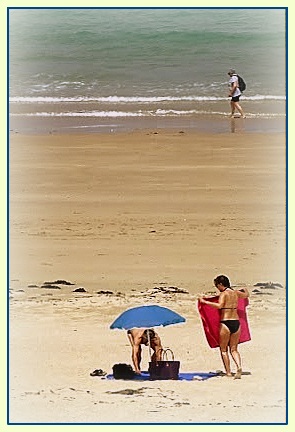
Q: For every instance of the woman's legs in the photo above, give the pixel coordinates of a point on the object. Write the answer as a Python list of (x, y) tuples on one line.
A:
[(234, 106), (139, 356), (231, 340), (233, 345), (239, 108), (224, 337)]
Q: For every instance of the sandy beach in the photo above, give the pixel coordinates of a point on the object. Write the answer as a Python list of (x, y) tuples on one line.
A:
[(143, 217)]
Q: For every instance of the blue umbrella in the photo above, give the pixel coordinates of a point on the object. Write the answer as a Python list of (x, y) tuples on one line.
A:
[(146, 316)]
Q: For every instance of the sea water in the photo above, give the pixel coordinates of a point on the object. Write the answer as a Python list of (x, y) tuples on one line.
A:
[(90, 67)]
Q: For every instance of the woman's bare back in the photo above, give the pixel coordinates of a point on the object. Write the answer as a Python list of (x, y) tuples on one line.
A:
[(230, 305)]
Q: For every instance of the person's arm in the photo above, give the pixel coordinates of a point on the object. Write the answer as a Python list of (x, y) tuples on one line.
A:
[(216, 305), (244, 293), (130, 337)]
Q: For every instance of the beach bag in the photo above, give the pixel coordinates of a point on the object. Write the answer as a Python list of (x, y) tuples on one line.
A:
[(123, 371), (164, 369), (242, 84)]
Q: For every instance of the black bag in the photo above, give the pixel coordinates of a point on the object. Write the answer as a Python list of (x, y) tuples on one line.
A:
[(164, 369), (123, 371), (242, 84)]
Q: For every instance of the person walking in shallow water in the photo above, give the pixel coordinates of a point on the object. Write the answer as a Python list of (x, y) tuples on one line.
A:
[(234, 93), (230, 329)]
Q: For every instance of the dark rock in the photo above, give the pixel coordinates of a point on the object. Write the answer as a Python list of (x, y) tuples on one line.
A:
[(171, 290), (128, 391), (278, 285), (59, 282), (269, 285), (80, 290), (262, 293), (49, 286)]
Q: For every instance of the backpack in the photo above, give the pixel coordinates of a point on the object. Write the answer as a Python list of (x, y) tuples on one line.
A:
[(242, 84), (123, 371)]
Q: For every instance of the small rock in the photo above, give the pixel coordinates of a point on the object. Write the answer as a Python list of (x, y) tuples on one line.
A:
[(81, 289), (59, 282), (49, 286)]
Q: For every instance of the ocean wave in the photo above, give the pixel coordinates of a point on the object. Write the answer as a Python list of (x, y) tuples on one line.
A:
[(135, 99), (156, 113)]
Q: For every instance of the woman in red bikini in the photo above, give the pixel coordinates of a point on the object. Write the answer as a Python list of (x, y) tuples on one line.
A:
[(230, 330)]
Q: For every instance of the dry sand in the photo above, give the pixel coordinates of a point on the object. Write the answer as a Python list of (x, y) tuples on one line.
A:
[(122, 215)]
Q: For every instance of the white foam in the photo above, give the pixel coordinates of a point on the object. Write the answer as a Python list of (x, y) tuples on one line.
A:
[(135, 99), (157, 113)]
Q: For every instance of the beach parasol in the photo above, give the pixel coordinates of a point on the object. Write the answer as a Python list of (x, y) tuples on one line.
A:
[(146, 316)]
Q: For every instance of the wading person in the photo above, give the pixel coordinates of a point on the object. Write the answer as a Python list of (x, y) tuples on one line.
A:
[(234, 93)]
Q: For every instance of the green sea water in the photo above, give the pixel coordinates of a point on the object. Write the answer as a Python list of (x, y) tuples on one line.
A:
[(143, 62)]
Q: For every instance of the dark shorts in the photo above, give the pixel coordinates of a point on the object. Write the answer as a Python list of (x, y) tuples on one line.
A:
[(235, 98)]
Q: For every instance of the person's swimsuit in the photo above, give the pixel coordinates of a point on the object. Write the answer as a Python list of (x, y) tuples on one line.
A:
[(232, 325)]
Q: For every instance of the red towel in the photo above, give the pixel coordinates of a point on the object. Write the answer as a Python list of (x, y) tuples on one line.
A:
[(211, 321)]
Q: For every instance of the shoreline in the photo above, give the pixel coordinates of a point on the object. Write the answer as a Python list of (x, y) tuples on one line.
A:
[(97, 118)]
